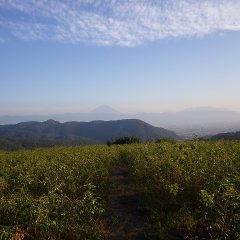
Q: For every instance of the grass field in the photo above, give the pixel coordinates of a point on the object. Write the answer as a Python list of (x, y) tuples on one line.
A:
[(188, 190)]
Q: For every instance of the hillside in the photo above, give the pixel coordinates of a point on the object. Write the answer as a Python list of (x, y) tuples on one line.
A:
[(227, 136), (97, 131)]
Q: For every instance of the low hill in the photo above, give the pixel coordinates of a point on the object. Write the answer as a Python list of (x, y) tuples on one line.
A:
[(227, 136), (97, 131)]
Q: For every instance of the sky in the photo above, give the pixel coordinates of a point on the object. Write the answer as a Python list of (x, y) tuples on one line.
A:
[(59, 56)]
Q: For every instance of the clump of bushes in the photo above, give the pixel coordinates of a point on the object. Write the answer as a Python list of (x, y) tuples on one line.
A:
[(124, 140), (164, 140)]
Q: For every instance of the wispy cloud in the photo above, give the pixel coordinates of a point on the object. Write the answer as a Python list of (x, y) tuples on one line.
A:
[(3, 40), (114, 22)]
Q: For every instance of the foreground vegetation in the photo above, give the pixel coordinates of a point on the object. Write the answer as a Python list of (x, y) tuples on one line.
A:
[(190, 189), (56, 193)]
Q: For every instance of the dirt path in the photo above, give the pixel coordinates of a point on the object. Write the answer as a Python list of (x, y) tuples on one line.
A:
[(125, 219)]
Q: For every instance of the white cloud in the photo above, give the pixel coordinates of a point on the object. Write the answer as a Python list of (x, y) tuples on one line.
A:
[(115, 22)]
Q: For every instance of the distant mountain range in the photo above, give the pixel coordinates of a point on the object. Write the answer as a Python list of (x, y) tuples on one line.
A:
[(201, 121), (95, 131)]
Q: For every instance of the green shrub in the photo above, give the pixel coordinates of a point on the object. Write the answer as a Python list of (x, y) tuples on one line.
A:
[(124, 140)]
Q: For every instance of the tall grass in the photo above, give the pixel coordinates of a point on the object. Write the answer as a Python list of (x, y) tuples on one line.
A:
[(191, 189), (54, 193)]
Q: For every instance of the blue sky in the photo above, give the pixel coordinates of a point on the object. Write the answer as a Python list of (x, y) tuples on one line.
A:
[(138, 55)]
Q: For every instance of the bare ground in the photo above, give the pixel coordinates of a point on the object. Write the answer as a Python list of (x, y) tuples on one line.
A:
[(125, 218)]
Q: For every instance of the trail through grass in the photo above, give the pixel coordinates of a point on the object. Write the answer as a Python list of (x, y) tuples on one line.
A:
[(126, 218)]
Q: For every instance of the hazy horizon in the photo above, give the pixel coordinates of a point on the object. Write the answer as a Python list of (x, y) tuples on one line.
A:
[(137, 56), (52, 113)]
